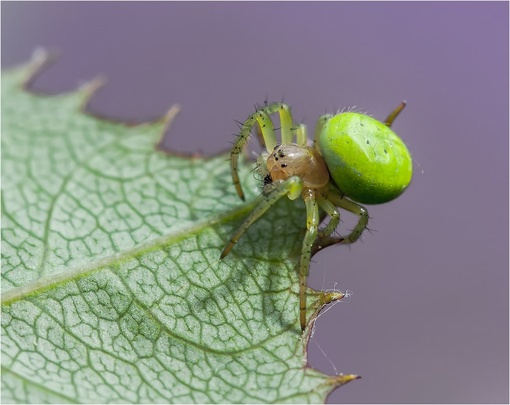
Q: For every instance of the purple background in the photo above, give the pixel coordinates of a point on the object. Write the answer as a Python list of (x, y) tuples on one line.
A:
[(428, 321)]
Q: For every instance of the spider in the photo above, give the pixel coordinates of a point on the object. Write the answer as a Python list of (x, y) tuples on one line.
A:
[(353, 159)]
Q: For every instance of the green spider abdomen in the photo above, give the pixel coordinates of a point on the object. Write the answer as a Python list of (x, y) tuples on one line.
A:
[(366, 159)]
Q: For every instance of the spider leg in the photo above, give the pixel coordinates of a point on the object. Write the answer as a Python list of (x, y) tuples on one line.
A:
[(321, 122), (339, 201), (285, 123), (266, 127), (312, 223), (260, 137), (333, 213), (301, 134), (291, 187), (394, 114)]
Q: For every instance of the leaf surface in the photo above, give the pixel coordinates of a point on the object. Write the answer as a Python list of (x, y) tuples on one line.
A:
[(112, 287)]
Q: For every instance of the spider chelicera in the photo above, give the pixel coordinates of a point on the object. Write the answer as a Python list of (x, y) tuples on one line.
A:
[(353, 159)]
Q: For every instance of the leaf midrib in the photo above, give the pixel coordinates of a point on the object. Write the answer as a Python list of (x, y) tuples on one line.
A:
[(45, 283)]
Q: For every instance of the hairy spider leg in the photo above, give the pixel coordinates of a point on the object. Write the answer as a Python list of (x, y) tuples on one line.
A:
[(312, 224), (258, 134), (286, 124), (394, 114), (333, 213), (263, 119), (291, 187), (321, 122), (361, 212), (300, 134), (299, 130), (267, 129)]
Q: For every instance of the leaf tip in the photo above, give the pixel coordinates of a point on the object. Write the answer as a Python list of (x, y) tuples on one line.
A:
[(90, 88), (93, 85), (342, 379), (336, 381), (171, 114), (323, 298), (167, 121), (41, 58), (328, 297)]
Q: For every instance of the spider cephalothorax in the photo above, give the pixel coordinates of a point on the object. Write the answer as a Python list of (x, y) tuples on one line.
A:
[(295, 160), (353, 158)]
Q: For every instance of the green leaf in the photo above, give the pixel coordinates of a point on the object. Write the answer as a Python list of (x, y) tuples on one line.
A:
[(112, 287)]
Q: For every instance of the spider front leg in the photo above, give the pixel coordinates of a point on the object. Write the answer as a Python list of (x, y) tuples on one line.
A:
[(312, 224), (291, 187), (263, 119), (321, 122)]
